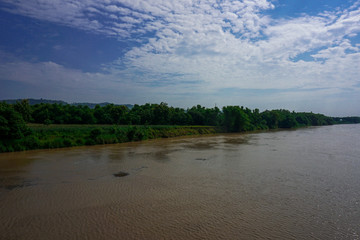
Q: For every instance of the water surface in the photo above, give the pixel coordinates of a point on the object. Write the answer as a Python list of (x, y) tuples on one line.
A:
[(298, 184)]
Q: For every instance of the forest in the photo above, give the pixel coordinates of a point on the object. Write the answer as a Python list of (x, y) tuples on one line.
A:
[(24, 126)]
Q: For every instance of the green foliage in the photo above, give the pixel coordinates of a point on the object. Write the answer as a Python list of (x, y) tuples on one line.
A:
[(12, 125), (271, 119), (63, 125), (148, 114), (161, 113), (58, 136), (235, 119), (95, 133), (288, 121), (47, 122), (23, 107), (31, 142)]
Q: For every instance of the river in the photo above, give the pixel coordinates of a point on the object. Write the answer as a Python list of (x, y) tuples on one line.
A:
[(293, 184)]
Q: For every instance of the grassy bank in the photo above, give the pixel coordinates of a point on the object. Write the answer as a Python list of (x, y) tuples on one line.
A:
[(68, 135), (68, 125)]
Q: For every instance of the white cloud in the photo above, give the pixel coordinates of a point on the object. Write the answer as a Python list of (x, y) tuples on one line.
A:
[(215, 44), (340, 51), (205, 48), (36, 73), (243, 16)]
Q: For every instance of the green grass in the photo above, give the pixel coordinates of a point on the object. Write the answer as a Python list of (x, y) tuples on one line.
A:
[(69, 135)]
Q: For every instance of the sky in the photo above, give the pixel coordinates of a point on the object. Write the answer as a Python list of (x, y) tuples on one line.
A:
[(300, 55)]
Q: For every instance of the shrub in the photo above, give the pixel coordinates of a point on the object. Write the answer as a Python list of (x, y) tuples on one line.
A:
[(95, 133), (47, 122), (89, 141), (31, 142), (67, 142)]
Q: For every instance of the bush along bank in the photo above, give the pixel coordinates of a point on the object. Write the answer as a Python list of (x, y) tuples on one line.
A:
[(60, 136), (24, 126)]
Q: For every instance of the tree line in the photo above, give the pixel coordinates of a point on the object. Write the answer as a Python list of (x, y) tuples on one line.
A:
[(13, 117)]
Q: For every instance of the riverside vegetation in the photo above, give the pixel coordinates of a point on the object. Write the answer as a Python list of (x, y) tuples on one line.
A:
[(41, 126)]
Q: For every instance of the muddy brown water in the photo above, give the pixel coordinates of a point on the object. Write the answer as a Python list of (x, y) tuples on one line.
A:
[(300, 184)]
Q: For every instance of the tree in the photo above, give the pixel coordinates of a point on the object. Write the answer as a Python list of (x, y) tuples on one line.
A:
[(118, 114), (272, 118), (161, 114), (288, 122), (23, 107), (12, 125), (41, 112), (212, 116), (235, 119), (197, 114), (302, 119), (180, 117), (143, 114), (87, 115), (102, 115)]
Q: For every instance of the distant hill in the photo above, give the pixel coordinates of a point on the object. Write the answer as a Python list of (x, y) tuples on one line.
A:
[(92, 105), (38, 101), (34, 101)]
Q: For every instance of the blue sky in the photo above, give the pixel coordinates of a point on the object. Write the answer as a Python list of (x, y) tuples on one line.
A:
[(267, 54)]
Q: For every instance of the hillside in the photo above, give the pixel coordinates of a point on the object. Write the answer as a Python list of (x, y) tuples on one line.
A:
[(33, 101)]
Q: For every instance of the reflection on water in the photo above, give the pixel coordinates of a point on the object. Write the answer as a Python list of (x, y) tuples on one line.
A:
[(301, 184)]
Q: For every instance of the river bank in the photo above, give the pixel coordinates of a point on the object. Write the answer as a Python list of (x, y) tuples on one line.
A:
[(47, 126), (71, 135)]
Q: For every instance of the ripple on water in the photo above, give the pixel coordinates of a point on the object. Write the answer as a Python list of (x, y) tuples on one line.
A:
[(231, 191)]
